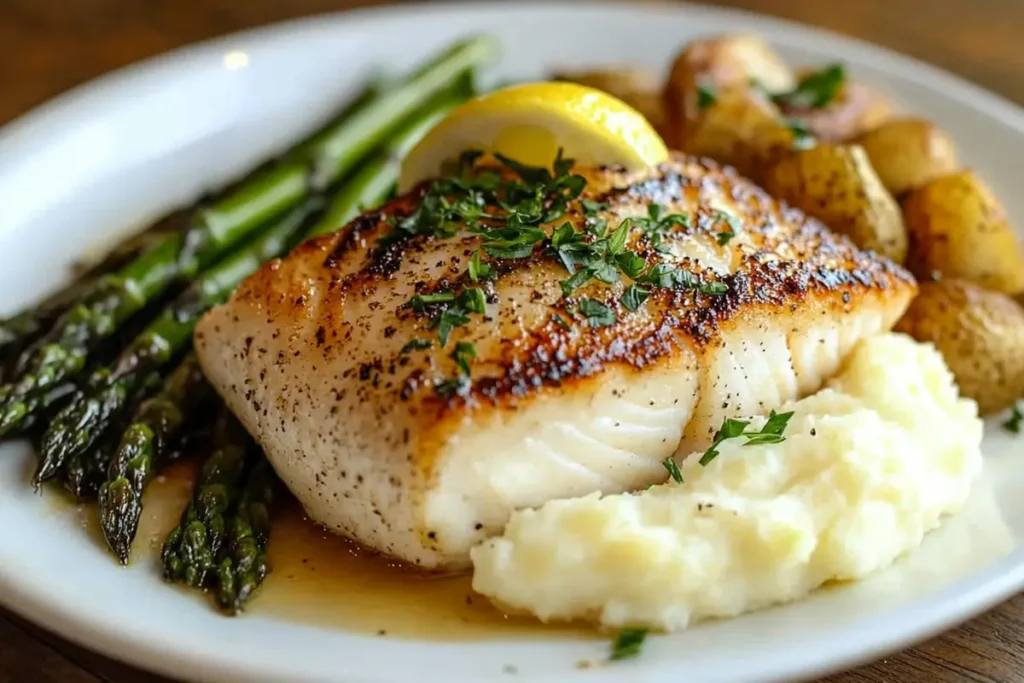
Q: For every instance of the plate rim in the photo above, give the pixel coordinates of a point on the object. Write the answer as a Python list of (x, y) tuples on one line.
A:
[(939, 611)]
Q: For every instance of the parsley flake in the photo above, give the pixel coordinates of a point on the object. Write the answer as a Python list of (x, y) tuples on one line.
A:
[(560, 321), (597, 313), (454, 312), (578, 279), (458, 385), (734, 227), (802, 136), (630, 263), (634, 297), (814, 90), (512, 242), (1013, 423), (416, 345), (628, 643), (673, 470), (479, 270), (706, 97), (463, 353), (420, 302), (771, 433)]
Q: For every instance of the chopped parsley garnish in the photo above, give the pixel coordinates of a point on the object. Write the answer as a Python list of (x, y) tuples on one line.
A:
[(814, 90), (802, 137), (420, 302), (734, 227), (450, 387), (454, 311), (658, 226), (416, 345), (599, 259), (478, 270), (561, 322), (667, 276), (673, 470), (628, 643), (512, 242), (1015, 420), (630, 264), (506, 211), (634, 297), (731, 429), (596, 313), (463, 353), (706, 97)]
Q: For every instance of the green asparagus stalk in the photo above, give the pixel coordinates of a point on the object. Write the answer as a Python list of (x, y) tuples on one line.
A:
[(63, 351), (86, 471), (335, 152), (105, 396), (375, 180), (143, 447), (190, 552), (18, 331), (243, 564)]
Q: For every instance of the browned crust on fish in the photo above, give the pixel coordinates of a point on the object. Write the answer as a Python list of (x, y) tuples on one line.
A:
[(792, 261)]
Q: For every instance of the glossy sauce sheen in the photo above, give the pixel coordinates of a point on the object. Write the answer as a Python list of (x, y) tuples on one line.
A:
[(320, 579)]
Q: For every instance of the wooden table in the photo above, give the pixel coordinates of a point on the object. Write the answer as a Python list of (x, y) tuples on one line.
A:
[(47, 46)]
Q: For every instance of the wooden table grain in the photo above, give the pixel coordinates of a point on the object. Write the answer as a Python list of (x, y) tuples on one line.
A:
[(48, 46)]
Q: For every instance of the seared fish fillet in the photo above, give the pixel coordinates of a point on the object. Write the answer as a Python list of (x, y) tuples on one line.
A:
[(309, 354)]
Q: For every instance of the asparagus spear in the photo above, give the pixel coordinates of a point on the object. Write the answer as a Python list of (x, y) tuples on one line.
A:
[(104, 398), (191, 549), (62, 352), (335, 152), (142, 448), (18, 331), (375, 180), (243, 564), (84, 473)]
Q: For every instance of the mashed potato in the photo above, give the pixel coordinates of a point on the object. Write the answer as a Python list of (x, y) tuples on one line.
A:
[(869, 465)]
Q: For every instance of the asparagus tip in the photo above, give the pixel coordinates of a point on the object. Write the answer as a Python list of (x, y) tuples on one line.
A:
[(120, 510)]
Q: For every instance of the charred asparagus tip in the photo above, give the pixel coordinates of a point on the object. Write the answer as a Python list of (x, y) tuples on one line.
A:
[(119, 517)]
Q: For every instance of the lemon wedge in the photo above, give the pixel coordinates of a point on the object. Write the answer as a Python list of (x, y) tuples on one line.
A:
[(530, 122)]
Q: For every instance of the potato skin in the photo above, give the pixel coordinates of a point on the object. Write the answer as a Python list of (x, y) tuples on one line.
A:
[(740, 130), (639, 89), (958, 228), (980, 334), (723, 63), (908, 153), (836, 185)]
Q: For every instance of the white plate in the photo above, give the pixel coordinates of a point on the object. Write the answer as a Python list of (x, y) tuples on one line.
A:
[(153, 136)]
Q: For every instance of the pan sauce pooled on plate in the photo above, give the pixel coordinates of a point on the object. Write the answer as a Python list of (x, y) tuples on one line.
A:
[(867, 466)]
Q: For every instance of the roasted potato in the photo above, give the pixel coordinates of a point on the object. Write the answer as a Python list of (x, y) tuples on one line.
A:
[(854, 111), (980, 334), (718, 64), (908, 153), (958, 228), (639, 89), (836, 185), (741, 131)]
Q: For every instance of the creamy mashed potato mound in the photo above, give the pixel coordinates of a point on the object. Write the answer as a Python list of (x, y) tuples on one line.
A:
[(868, 466)]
